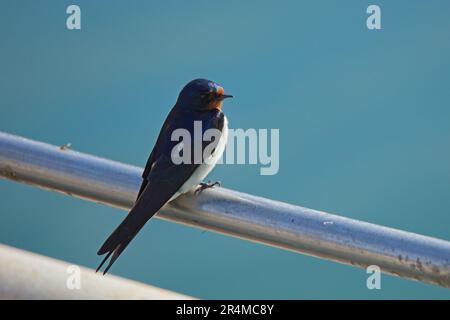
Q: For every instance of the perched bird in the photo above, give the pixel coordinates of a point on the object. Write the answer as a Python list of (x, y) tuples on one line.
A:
[(163, 180)]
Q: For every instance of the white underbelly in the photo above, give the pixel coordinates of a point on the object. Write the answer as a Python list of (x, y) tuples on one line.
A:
[(205, 168)]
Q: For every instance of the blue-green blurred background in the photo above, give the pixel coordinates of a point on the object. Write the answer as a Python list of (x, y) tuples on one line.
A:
[(364, 119)]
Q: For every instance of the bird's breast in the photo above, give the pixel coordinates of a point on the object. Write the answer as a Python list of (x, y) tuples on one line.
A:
[(208, 164)]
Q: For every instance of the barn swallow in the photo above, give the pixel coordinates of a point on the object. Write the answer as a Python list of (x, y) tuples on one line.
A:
[(163, 181)]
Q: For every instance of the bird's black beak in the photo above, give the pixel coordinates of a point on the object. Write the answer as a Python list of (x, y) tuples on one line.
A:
[(225, 96)]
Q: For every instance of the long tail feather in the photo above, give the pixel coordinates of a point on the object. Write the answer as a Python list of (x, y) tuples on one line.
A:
[(103, 261), (152, 198), (118, 241)]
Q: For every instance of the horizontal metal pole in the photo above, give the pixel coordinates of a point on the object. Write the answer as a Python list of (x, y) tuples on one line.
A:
[(233, 213), (26, 275)]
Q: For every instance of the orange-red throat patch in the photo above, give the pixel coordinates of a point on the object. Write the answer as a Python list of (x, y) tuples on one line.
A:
[(220, 90), (217, 104)]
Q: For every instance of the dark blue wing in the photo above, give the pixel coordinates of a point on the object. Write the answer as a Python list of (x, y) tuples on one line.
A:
[(162, 179)]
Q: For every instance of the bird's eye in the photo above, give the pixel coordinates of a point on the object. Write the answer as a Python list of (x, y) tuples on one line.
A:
[(206, 94)]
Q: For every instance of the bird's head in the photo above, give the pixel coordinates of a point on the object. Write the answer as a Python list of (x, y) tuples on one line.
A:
[(202, 95)]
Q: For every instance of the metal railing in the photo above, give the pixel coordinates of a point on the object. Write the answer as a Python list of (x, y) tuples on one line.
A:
[(26, 275), (274, 223)]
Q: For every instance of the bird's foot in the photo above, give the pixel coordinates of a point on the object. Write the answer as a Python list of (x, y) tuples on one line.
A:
[(203, 186)]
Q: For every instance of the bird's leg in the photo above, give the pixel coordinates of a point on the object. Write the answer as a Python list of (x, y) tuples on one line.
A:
[(203, 186)]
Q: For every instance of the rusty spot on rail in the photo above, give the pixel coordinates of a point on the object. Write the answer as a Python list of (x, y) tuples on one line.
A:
[(8, 173)]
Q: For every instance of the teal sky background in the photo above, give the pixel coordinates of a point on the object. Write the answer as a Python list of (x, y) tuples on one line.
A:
[(364, 119)]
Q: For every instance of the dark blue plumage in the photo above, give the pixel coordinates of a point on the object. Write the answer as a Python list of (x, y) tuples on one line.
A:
[(200, 100)]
